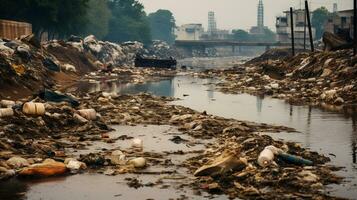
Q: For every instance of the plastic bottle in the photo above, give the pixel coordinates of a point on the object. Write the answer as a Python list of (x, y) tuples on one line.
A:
[(6, 112), (31, 108), (266, 157), (89, 114)]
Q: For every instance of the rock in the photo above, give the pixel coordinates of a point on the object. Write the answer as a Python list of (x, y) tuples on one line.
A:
[(45, 169), (17, 162), (221, 165), (138, 162)]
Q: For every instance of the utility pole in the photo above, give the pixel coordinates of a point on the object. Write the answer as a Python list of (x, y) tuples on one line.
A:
[(304, 29), (292, 31), (355, 27), (309, 24)]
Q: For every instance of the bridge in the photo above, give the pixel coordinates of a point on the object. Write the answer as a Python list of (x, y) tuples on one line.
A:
[(203, 44)]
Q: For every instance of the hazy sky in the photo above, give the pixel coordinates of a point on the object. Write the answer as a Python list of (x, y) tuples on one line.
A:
[(232, 14)]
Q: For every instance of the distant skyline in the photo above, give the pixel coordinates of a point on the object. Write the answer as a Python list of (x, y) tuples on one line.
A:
[(234, 14)]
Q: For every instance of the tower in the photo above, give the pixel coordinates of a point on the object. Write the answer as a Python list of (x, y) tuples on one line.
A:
[(335, 9), (212, 24), (260, 15)]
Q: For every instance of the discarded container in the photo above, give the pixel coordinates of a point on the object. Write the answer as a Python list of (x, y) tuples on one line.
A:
[(31, 108), (80, 119), (6, 112), (44, 169), (266, 157), (89, 114), (138, 162), (7, 103), (137, 143), (75, 165), (117, 158), (296, 160)]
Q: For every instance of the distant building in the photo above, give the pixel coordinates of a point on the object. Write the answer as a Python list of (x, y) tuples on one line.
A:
[(212, 23), (189, 32), (259, 29), (283, 27), (341, 23)]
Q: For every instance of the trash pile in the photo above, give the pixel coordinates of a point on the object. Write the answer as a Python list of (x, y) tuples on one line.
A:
[(320, 78), (161, 50), (121, 55), (251, 168), (26, 66), (36, 136)]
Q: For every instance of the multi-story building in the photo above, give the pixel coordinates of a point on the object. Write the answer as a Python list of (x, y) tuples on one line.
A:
[(283, 27), (212, 23), (259, 29), (189, 32), (341, 23)]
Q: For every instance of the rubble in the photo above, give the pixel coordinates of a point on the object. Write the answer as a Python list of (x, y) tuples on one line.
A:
[(308, 78)]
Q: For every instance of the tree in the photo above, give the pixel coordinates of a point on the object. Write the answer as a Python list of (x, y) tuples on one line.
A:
[(162, 24), (128, 22), (319, 18), (57, 17), (98, 17), (241, 35)]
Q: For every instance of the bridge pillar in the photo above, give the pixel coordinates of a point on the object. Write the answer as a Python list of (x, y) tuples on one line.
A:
[(233, 49)]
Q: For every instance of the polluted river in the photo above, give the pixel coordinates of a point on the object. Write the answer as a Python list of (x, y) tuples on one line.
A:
[(332, 133)]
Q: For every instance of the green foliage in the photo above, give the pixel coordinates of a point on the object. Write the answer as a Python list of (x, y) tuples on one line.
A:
[(57, 17), (61, 18), (244, 36), (319, 18), (98, 18), (128, 22), (162, 24), (240, 35)]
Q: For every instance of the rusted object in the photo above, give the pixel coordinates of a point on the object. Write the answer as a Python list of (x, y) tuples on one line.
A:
[(13, 29)]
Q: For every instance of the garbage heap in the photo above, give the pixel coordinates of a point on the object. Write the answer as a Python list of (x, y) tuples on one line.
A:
[(319, 78), (27, 66), (37, 142), (121, 55)]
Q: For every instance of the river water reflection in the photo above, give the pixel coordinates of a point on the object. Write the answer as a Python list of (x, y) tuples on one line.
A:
[(329, 132)]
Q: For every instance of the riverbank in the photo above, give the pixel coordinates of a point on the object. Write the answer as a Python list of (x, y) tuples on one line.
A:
[(325, 79)]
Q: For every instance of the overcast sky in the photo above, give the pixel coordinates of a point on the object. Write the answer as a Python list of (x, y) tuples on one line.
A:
[(232, 14)]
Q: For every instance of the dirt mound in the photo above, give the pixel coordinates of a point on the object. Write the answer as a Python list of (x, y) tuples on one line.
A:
[(82, 61)]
